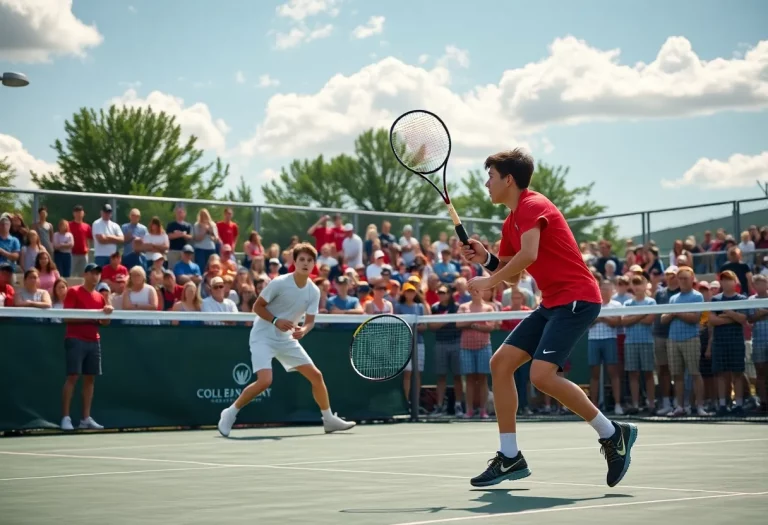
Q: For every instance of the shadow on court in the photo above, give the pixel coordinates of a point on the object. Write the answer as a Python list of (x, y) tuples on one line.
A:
[(274, 437), (497, 501)]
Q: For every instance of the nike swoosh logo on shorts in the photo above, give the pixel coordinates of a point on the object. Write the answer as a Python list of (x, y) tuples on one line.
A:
[(548, 352)]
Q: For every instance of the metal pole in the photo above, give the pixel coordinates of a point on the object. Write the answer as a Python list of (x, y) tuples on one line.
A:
[(642, 219), (415, 395), (648, 228), (736, 219), (257, 218)]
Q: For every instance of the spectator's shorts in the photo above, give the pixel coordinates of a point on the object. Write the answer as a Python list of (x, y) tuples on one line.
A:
[(749, 365), (549, 334), (290, 354), (476, 361), (78, 265), (684, 356), (660, 348), (639, 357), (83, 357), (447, 358), (422, 354), (728, 357), (759, 351), (602, 351)]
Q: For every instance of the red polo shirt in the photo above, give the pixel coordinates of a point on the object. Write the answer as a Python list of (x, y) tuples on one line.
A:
[(78, 298)]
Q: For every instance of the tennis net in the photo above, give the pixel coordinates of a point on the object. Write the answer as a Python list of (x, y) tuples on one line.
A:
[(674, 362)]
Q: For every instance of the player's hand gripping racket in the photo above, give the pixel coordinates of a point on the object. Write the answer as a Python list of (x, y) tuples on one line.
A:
[(422, 144), (381, 347)]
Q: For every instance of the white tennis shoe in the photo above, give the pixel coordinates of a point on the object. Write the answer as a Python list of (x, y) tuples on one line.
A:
[(90, 424), (227, 419), (335, 424), (66, 423)]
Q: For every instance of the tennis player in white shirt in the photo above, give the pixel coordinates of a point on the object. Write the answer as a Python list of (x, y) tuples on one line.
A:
[(276, 334)]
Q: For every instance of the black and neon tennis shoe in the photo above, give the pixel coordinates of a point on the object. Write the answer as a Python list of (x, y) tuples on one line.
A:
[(502, 468), (616, 450)]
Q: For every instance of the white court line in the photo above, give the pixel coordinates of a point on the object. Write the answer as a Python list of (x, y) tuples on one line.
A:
[(344, 471), (88, 474), (584, 507)]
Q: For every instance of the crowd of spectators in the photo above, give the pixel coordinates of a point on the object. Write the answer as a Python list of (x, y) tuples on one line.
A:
[(192, 266)]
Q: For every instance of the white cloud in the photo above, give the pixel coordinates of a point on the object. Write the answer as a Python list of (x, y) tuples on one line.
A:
[(240, 77), (23, 161), (574, 83), (194, 120), (454, 54), (299, 35), (34, 30), (423, 58), (267, 81), (374, 26), (321, 32), (739, 171), (299, 10)]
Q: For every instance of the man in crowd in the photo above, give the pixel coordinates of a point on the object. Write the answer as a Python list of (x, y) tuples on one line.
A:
[(82, 343), (107, 236), (446, 270), (179, 236), (409, 245), (187, 269), (81, 234), (133, 229), (660, 337), (342, 302), (228, 229), (352, 247), (10, 247), (638, 347), (112, 270)]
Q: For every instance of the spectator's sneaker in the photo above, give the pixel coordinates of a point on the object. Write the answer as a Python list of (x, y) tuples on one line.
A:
[(336, 424), (438, 411), (66, 423), (501, 468), (458, 410), (483, 414), (616, 450), (678, 412), (468, 414), (90, 424), (618, 410), (701, 412), (664, 411), (226, 420)]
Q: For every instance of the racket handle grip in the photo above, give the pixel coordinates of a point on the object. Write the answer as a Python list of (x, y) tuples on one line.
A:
[(462, 233)]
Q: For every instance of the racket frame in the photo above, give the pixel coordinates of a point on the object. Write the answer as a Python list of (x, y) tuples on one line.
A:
[(352, 346), (458, 226)]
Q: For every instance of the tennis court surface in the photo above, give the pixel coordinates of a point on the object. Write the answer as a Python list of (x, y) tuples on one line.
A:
[(383, 474)]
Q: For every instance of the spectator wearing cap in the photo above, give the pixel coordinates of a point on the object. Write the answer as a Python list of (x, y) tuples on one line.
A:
[(759, 319), (156, 240), (639, 355), (228, 229), (82, 344), (740, 269), (10, 247), (409, 246), (217, 301), (446, 270), (274, 268), (684, 344), (410, 304), (133, 229), (156, 262), (63, 242), (103, 289), (728, 348), (352, 247), (113, 269), (170, 292), (187, 269), (373, 271), (179, 235), (661, 335), (107, 236), (342, 302), (205, 235)]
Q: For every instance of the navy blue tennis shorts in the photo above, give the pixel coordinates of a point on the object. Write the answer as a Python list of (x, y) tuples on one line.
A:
[(549, 334)]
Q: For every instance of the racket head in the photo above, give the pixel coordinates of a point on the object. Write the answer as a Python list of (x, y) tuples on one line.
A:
[(381, 347), (420, 141)]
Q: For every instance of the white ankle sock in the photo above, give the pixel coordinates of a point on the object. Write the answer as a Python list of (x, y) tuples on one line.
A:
[(509, 444), (234, 409), (327, 413), (602, 426)]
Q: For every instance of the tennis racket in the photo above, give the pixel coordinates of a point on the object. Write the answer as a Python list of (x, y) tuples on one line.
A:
[(422, 144), (381, 347)]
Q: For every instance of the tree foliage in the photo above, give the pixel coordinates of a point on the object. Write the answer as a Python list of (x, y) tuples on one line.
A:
[(8, 201), (132, 151)]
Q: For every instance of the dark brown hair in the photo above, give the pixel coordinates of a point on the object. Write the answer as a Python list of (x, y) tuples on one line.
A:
[(304, 247), (516, 163)]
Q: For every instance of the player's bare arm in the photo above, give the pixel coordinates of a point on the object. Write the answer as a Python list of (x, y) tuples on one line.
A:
[(529, 250), (260, 309)]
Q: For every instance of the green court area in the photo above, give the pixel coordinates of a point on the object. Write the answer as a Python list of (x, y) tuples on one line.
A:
[(404, 474)]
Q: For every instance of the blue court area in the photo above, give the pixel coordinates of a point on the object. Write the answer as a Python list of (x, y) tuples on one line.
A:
[(386, 474)]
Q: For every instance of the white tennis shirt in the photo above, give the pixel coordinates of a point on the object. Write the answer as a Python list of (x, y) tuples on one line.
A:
[(285, 300)]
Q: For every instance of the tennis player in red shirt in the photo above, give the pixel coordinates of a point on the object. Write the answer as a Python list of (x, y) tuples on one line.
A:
[(536, 237)]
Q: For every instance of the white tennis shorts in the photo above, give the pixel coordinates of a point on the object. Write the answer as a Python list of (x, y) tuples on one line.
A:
[(290, 354)]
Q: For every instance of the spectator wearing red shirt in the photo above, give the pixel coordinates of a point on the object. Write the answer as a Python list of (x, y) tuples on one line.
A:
[(112, 270), (81, 233), (6, 288), (82, 343), (228, 229), (171, 292)]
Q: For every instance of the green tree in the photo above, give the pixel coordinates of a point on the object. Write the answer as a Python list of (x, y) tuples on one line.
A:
[(372, 179), (551, 182), (8, 201), (132, 151)]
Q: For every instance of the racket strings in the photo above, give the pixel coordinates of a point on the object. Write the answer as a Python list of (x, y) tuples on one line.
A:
[(382, 348), (421, 142)]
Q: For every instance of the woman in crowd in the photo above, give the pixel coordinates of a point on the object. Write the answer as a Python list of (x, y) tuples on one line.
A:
[(29, 250), (139, 295), (19, 229), (44, 229), (63, 241), (47, 270), (252, 248), (476, 353), (205, 238), (190, 302), (155, 240), (30, 295), (60, 288)]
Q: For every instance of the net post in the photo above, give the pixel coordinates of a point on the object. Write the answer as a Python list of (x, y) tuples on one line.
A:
[(415, 394)]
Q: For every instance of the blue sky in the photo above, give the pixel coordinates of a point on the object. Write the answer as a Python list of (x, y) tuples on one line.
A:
[(213, 56)]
